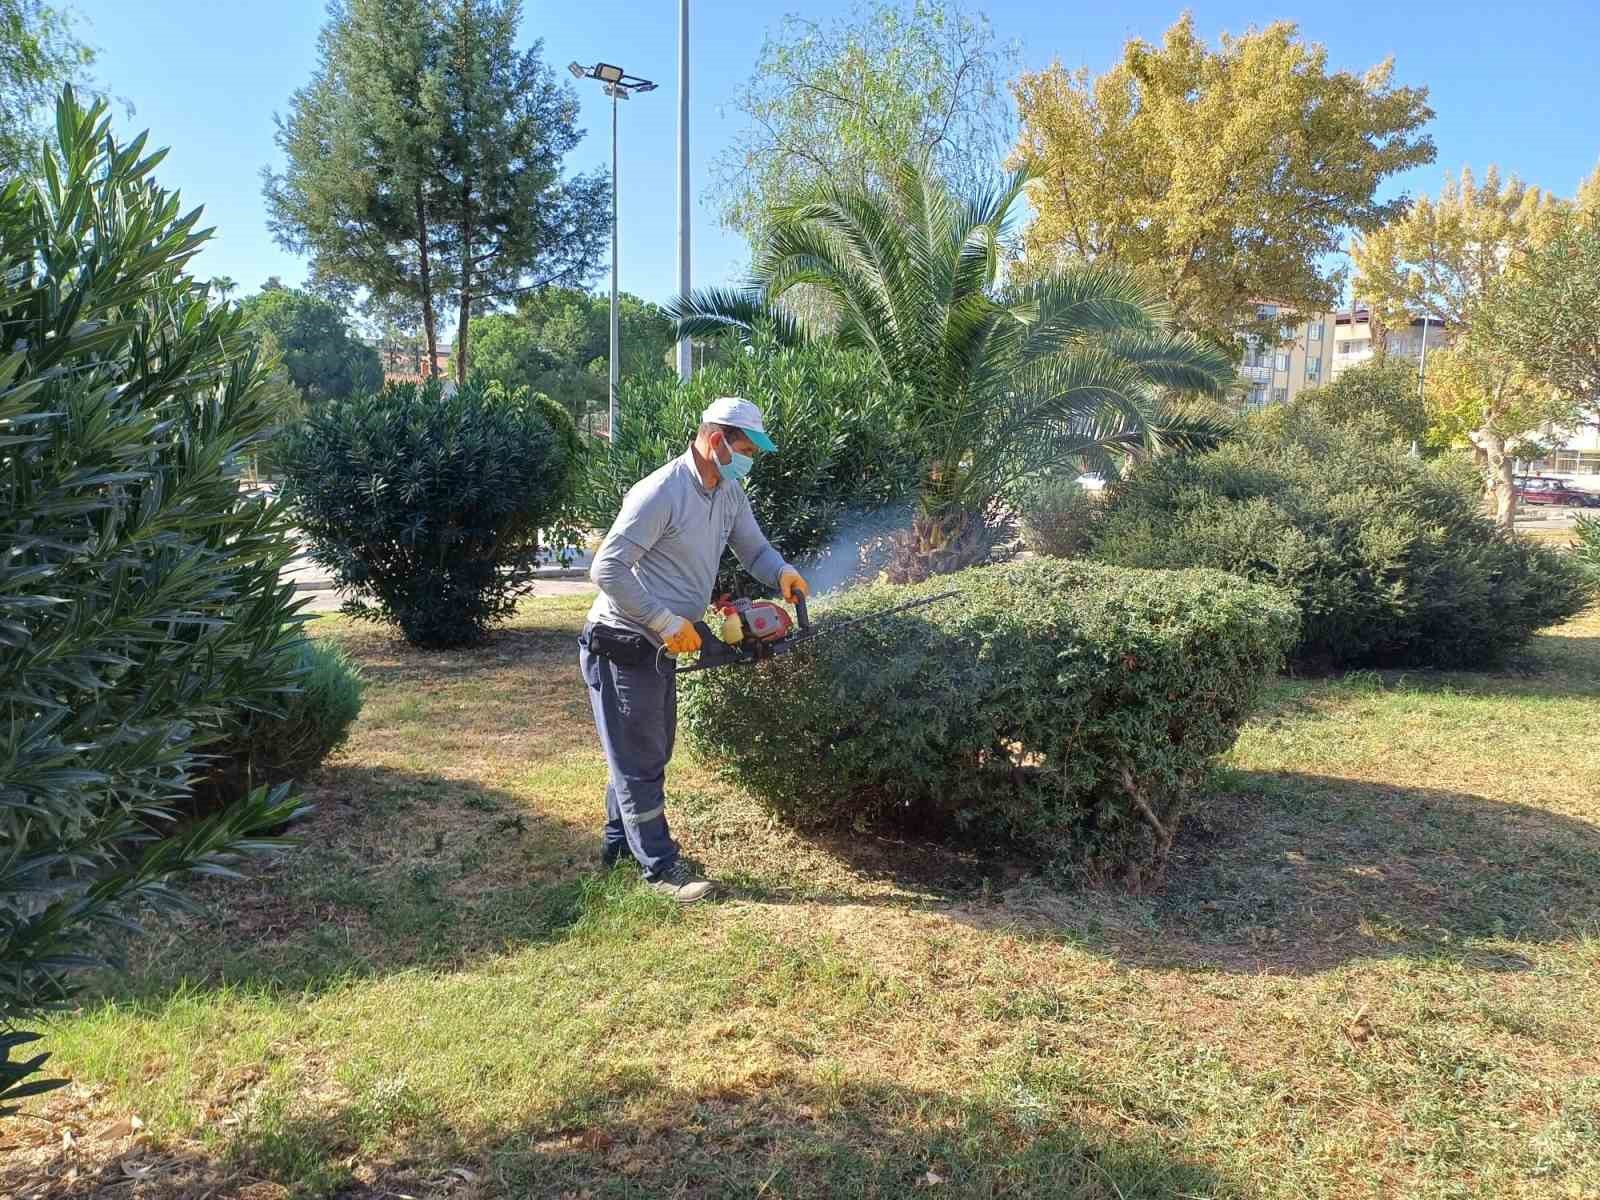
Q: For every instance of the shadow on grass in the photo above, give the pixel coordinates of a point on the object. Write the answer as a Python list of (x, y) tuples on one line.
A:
[(386, 657), (1297, 873), (1283, 872), (394, 870), (1549, 667), (626, 1136)]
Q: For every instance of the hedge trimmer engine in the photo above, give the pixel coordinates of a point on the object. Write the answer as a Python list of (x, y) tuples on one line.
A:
[(755, 630), (751, 624)]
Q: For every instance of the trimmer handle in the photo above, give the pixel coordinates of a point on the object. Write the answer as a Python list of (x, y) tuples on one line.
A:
[(800, 616)]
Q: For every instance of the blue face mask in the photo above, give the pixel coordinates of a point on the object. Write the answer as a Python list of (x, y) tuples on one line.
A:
[(737, 467)]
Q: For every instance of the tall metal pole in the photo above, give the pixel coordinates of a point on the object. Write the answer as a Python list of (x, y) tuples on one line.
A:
[(685, 355), (1422, 366), (611, 420)]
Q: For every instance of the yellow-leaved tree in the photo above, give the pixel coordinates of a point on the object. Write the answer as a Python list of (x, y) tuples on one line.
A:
[(1443, 259), (1224, 176)]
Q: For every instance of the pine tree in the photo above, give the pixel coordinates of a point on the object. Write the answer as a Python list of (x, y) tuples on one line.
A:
[(424, 164), (516, 225)]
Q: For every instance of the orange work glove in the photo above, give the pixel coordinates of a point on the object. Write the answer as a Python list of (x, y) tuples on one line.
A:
[(680, 637), (791, 586)]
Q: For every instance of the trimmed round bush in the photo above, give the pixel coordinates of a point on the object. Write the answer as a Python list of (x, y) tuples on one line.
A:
[(1388, 558), (427, 506), (1069, 707), (286, 740)]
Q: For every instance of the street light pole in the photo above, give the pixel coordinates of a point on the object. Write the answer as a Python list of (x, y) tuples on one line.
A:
[(619, 86), (685, 347), (616, 366)]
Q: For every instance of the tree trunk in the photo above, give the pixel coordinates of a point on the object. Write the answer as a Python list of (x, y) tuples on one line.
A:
[(425, 271), (938, 543), (1501, 486), (464, 315)]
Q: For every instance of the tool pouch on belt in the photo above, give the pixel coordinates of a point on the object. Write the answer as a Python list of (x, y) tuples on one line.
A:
[(621, 646)]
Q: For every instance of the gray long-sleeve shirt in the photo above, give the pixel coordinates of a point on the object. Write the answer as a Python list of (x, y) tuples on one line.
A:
[(660, 558)]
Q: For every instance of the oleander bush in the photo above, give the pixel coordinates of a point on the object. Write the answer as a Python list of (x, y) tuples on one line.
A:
[(140, 592), (1067, 707), (1388, 557), (429, 507), (844, 454)]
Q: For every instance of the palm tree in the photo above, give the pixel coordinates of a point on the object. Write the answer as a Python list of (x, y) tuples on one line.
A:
[(1074, 371)]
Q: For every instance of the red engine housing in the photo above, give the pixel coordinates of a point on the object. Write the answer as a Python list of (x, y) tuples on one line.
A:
[(762, 620)]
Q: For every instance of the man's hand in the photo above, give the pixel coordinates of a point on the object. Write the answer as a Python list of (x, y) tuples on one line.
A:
[(680, 637), (791, 586)]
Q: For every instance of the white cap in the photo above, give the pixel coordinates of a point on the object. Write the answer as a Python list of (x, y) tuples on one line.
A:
[(741, 414)]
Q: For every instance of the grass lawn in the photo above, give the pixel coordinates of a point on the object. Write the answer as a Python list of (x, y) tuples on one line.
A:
[(1375, 971)]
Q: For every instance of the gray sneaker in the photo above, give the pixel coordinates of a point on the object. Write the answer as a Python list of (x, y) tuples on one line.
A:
[(679, 883)]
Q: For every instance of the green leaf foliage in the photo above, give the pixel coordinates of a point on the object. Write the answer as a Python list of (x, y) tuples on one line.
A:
[(1382, 389), (1056, 515), (309, 337), (1587, 550), (1074, 371), (140, 597), (39, 52), (285, 739), (1069, 707), (1388, 558), (428, 506), (843, 450)]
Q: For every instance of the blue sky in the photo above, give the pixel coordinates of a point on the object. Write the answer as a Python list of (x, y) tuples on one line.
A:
[(1511, 84)]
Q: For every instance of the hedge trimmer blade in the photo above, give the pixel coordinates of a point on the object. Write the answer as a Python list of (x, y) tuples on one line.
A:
[(714, 652)]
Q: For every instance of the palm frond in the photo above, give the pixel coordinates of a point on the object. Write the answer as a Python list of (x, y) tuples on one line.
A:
[(735, 312)]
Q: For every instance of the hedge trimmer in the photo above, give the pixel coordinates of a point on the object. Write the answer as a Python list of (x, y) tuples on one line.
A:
[(756, 630)]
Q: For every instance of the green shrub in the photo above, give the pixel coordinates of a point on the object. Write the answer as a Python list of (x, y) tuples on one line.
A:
[(284, 741), (1057, 516), (1068, 706), (429, 507), (1586, 551), (1389, 559), (1381, 393), (843, 452), (140, 596)]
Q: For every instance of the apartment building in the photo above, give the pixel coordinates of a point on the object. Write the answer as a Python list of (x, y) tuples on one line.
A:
[(1303, 359), (1577, 460), (1353, 339)]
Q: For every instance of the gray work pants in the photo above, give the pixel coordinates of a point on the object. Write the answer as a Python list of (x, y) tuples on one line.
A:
[(636, 716)]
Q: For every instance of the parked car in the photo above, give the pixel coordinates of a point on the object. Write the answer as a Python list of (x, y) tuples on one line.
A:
[(1552, 491)]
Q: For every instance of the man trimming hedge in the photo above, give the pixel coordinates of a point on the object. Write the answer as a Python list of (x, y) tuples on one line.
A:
[(655, 571)]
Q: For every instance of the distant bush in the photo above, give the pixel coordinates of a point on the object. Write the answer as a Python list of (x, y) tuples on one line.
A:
[(1380, 393), (1067, 706), (284, 740), (843, 451), (1056, 516), (430, 507), (1586, 551), (1389, 559)]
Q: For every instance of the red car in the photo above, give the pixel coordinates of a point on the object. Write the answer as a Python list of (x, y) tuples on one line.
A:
[(1551, 491)]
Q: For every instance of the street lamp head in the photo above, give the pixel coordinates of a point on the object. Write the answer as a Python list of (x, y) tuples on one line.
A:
[(617, 91), (644, 86), (607, 73), (578, 72)]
